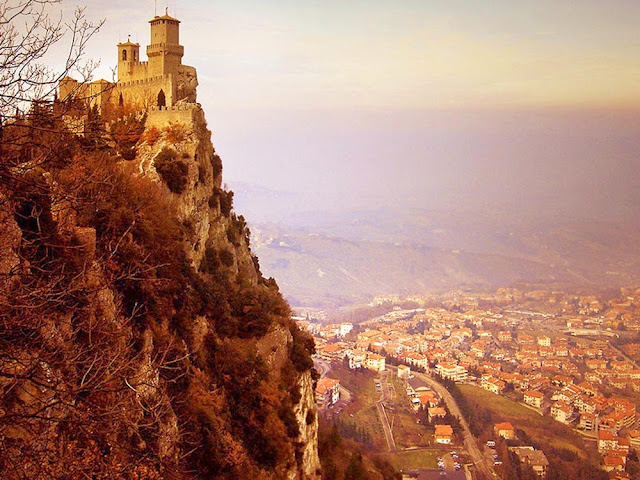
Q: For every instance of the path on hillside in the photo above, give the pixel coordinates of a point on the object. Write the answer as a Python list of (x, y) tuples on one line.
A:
[(479, 460), (382, 413)]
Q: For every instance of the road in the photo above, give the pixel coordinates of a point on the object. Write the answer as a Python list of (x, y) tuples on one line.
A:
[(479, 460), (382, 413)]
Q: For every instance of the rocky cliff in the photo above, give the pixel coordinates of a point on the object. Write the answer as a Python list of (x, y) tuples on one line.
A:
[(139, 338)]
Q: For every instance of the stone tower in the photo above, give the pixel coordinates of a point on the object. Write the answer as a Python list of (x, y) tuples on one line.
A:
[(164, 50), (128, 59), (159, 83)]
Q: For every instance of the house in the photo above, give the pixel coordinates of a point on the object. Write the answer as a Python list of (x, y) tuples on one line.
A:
[(504, 336), (613, 463), (404, 371), (536, 459), (493, 385), (504, 430), (416, 359), (634, 439), (561, 412), (345, 328), (357, 358), (444, 434), (607, 441), (327, 392), (533, 398), (332, 351), (375, 362), (588, 421), (544, 341), (436, 412), (451, 371), (424, 400)]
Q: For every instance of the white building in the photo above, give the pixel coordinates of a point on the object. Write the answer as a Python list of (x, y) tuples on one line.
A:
[(451, 371), (375, 362), (327, 391)]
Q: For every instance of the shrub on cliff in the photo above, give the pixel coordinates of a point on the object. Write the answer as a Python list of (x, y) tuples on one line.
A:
[(173, 171), (126, 132), (131, 318)]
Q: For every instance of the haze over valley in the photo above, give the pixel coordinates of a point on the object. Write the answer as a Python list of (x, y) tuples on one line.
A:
[(334, 258)]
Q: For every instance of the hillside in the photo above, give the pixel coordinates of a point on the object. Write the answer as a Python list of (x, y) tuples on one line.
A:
[(138, 338), (323, 259)]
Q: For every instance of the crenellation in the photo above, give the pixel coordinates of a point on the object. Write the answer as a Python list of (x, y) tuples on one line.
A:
[(161, 81)]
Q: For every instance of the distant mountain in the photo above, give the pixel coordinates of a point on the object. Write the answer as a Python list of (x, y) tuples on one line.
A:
[(328, 258), (323, 253)]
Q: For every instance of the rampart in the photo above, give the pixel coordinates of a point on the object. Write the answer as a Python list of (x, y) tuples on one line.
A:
[(161, 117)]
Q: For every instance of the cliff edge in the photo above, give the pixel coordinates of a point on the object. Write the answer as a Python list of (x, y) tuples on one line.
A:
[(138, 337)]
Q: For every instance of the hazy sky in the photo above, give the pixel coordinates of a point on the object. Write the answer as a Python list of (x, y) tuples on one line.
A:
[(446, 102)]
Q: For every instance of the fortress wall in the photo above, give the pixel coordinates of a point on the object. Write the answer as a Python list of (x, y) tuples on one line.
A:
[(183, 113), (144, 93), (139, 71)]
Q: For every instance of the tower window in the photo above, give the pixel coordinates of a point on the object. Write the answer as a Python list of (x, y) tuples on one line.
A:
[(135, 55), (124, 55)]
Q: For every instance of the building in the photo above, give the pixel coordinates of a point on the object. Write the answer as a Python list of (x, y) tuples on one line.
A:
[(608, 442), (492, 384), (345, 328), (504, 430), (561, 412), (375, 362), (544, 341), (634, 439), (451, 371), (533, 398), (161, 82), (357, 358), (444, 434), (327, 392), (504, 336), (436, 412), (416, 359), (588, 421), (536, 459), (404, 371)]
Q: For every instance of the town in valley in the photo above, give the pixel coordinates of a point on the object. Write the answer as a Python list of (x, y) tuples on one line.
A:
[(466, 383)]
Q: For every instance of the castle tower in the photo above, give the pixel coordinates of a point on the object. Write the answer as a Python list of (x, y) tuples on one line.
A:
[(164, 50), (128, 58)]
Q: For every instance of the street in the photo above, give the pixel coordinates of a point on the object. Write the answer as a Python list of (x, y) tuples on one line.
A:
[(382, 413), (479, 460)]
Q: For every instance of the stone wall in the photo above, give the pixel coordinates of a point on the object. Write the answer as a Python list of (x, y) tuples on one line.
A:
[(183, 113)]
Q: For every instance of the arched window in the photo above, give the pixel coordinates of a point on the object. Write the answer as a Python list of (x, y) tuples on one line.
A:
[(121, 101), (124, 55), (162, 100), (135, 55)]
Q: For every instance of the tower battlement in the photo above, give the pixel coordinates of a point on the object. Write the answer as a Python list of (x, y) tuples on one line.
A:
[(161, 81)]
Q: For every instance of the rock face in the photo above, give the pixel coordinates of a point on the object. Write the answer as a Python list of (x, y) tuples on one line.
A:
[(139, 338), (201, 206), (307, 418)]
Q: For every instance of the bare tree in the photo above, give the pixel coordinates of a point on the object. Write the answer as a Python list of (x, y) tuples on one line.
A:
[(28, 30)]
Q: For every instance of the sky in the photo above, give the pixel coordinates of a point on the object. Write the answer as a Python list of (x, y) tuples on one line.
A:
[(524, 105)]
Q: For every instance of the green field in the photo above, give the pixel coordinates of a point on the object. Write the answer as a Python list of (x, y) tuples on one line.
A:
[(543, 430), (406, 432), (414, 459), (361, 411)]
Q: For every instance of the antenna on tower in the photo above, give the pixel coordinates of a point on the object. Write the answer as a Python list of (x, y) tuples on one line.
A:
[(155, 9)]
